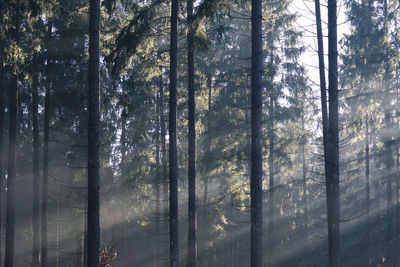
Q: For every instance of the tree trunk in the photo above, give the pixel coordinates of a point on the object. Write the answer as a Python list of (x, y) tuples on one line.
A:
[(332, 183), (397, 187), (93, 238), (12, 153), (387, 139), (271, 179), (35, 159), (45, 174), (2, 90), (208, 144), (322, 81), (157, 182), (367, 192), (192, 142), (58, 226), (303, 157), (173, 165), (256, 246), (123, 143), (11, 171), (164, 162)]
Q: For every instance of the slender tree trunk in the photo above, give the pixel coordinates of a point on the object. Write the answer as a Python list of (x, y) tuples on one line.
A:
[(164, 162), (208, 144), (389, 201), (389, 207), (2, 89), (11, 171), (45, 166), (367, 191), (303, 159), (397, 189), (256, 245), (332, 183), (58, 226), (232, 235), (173, 165), (157, 182), (204, 222), (93, 238), (388, 143), (12, 154), (322, 80), (35, 157), (192, 142), (123, 142), (271, 179)]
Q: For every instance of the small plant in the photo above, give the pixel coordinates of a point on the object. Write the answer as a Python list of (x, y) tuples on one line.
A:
[(107, 254)]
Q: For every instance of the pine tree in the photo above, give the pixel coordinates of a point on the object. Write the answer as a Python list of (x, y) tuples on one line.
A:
[(93, 216)]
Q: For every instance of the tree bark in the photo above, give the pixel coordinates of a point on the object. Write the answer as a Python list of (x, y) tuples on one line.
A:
[(303, 158), (332, 183), (36, 181), (192, 141), (164, 161), (208, 143), (173, 165), (256, 245), (2, 90), (12, 153), (322, 80), (93, 238), (123, 143), (11, 171), (271, 179), (367, 191), (157, 182), (45, 166), (388, 142)]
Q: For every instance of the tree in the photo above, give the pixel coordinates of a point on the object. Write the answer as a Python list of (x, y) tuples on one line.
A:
[(12, 152), (192, 140), (332, 179), (173, 172), (45, 166), (256, 247), (93, 216), (36, 184), (2, 91)]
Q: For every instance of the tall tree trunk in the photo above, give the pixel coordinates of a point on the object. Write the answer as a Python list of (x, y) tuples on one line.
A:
[(164, 161), (11, 171), (321, 65), (12, 153), (367, 191), (332, 182), (192, 142), (157, 182), (58, 226), (256, 244), (45, 166), (397, 188), (208, 145), (173, 164), (2, 90), (93, 216), (204, 223), (388, 141), (303, 159), (389, 205), (35, 157), (271, 179), (123, 143)]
